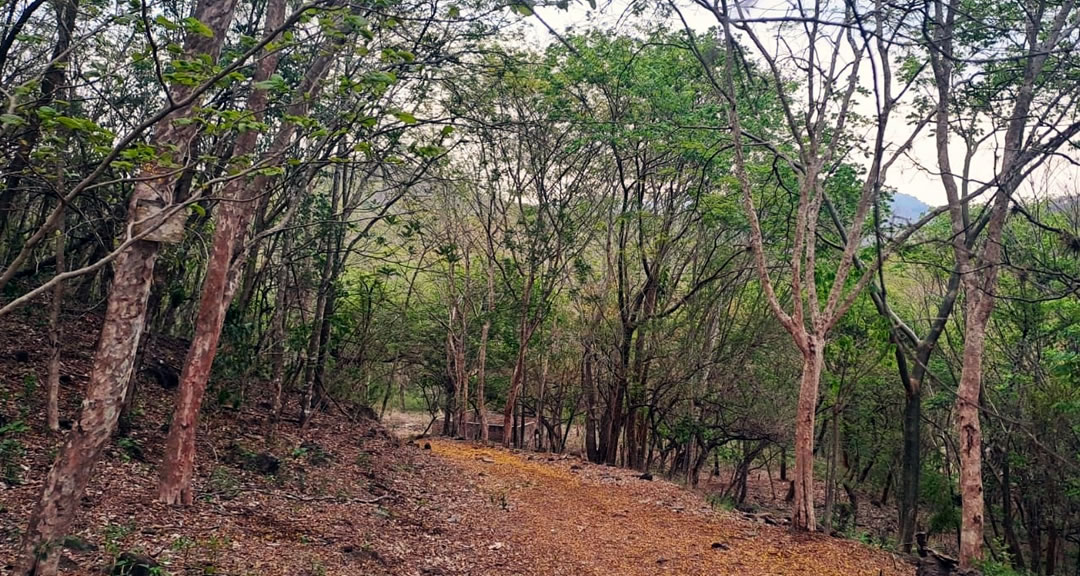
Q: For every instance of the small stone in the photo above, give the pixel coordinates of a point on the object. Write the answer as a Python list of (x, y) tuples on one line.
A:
[(719, 546), (496, 546)]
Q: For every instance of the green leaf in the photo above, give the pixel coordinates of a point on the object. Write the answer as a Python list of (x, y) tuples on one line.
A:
[(11, 120), (405, 117), (198, 209), (275, 83), (194, 26), (165, 23), (75, 124)]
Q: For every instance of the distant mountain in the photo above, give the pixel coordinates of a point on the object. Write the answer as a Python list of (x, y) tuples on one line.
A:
[(907, 208)]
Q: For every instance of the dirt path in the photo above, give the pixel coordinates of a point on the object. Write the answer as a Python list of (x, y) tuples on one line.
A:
[(559, 516)]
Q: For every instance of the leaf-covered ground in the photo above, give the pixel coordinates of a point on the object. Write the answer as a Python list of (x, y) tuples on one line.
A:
[(565, 517), (348, 498)]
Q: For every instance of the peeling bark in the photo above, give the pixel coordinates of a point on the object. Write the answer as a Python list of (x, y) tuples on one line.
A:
[(125, 317), (174, 486), (803, 517)]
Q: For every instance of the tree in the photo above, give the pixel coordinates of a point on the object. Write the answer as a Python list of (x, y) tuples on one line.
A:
[(124, 317), (1043, 50), (852, 38), (180, 445)]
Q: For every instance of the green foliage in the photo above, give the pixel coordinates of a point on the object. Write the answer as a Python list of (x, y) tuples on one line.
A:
[(720, 501), (937, 493), (114, 537), (992, 567), (12, 451)]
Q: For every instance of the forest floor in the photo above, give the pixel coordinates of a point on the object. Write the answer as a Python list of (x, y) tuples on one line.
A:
[(348, 497), (570, 517)]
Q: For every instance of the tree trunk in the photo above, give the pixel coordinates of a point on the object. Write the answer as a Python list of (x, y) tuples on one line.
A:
[(457, 334), (314, 354), (911, 463), (51, 83), (1011, 541), (516, 382), (174, 486), (125, 316), (540, 394), (636, 429), (588, 384), (970, 433), (277, 337), (517, 379), (803, 517), (613, 426), (1051, 548), (324, 349), (453, 394), (481, 376), (1034, 529), (52, 409), (311, 352), (70, 473), (830, 478)]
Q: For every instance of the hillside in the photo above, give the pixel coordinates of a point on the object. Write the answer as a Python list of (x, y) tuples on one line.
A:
[(348, 498), (907, 208)]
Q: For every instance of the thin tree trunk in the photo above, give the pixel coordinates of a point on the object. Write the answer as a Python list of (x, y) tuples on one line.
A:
[(311, 352), (540, 394), (481, 376), (1052, 541), (52, 409), (588, 383), (177, 468), (830, 480), (1011, 540), (460, 335), (511, 398), (1034, 529), (517, 379), (277, 337)]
